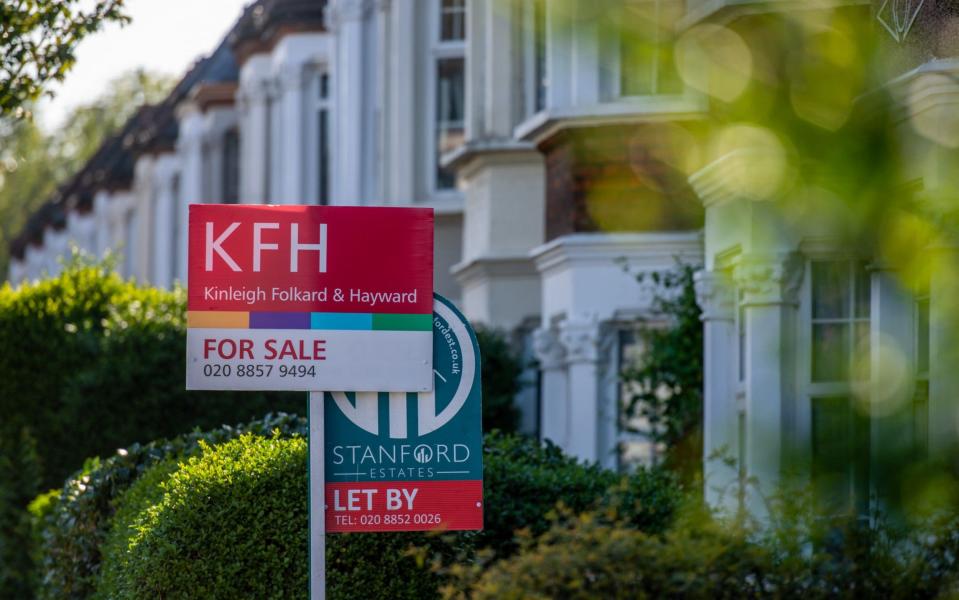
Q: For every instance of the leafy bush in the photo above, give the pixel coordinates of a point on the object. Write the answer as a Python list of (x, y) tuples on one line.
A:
[(524, 482), (667, 385), (100, 364), (75, 530), (92, 363), (592, 556), (524, 479), (232, 523), (19, 482), (501, 369), (131, 507)]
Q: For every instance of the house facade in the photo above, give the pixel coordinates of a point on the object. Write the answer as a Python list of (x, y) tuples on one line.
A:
[(557, 144)]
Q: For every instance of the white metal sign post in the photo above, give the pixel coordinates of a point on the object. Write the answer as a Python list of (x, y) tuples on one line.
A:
[(317, 500)]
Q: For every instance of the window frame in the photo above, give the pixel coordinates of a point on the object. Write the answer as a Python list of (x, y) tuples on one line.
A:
[(316, 103), (809, 391), (621, 436), (535, 81), (439, 49), (615, 61)]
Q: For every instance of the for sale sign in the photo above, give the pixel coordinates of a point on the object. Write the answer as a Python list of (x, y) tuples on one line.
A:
[(310, 298), (411, 461)]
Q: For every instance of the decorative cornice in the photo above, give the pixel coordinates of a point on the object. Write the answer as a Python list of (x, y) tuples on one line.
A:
[(716, 296), (340, 12), (585, 340), (550, 353), (472, 154), (654, 250), (765, 280), (519, 266)]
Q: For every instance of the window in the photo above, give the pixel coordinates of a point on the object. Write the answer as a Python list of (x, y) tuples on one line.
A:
[(840, 321), (452, 20), (449, 81), (271, 127), (920, 404), (840, 305), (840, 442), (230, 176), (175, 234), (534, 28), (323, 139), (634, 444), (741, 337), (646, 48)]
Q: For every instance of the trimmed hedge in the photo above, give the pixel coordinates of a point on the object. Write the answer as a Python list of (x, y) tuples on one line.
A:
[(231, 523), (92, 363), (103, 512), (74, 530), (99, 364)]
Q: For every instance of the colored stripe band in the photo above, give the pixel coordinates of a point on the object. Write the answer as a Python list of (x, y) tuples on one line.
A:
[(297, 320), (217, 320)]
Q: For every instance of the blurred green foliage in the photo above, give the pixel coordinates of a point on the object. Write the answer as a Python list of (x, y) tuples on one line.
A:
[(34, 162), (38, 42), (665, 388), (501, 372)]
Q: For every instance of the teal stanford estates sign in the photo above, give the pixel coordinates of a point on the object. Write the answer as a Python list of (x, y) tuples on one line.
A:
[(411, 461)]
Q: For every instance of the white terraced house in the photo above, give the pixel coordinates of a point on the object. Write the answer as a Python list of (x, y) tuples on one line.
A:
[(538, 132)]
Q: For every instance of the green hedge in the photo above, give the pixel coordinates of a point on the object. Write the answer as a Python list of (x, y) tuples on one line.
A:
[(100, 364), (92, 363), (74, 530), (87, 534), (590, 556), (231, 523)]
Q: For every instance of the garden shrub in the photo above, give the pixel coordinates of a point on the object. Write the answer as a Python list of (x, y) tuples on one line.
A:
[(92, 363), (231, 523), (524, 479), (75, 530), (378, 565), (590, 556), (100, 364), (130, 508), (19, 482), (501, 370)]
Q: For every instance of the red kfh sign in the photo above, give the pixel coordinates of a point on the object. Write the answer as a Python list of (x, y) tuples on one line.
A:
[(310, 298)]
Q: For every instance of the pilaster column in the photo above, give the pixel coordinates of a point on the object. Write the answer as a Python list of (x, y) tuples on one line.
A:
[(101, 216), (189, 149), (345, 18), (289, 165), (770, 286), (587, 356), (253, 100), (554, 400), (944, 348), (163, 222), (716, 295)]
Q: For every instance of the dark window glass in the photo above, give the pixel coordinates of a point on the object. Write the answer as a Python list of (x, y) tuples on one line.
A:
[(323, 168), (539, 54), (450, 111), (863, 291), (830, 289), (840, 448), (922, 335), (830, 351), (452, 20), (646, 55), (231, 167)]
